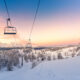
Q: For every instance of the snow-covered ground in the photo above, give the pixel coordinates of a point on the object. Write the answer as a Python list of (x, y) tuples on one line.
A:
[(65, 69), (62, 64)]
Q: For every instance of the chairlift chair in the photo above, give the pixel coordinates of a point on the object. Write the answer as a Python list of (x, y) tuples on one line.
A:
[(9, 29), (28, 47)]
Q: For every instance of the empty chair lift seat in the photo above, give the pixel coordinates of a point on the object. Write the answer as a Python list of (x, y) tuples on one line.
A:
[(10, 30)]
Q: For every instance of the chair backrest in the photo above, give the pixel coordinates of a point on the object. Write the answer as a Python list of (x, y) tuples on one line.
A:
[(10, 30)]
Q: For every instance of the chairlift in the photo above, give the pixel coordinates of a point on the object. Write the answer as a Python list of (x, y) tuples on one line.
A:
[(9, 29), (28, 47)]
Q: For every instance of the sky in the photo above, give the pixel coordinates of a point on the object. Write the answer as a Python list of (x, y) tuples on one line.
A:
[(57, 22)]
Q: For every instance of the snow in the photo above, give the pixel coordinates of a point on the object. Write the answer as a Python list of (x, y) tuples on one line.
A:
[(65, 69)]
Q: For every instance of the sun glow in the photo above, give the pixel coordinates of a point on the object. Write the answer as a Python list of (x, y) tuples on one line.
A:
[(46, 32)]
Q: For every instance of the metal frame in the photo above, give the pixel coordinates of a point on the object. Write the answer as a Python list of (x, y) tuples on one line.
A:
[(9, 29)]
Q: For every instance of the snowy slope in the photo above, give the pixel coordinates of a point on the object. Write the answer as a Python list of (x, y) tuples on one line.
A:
[(66, 69)]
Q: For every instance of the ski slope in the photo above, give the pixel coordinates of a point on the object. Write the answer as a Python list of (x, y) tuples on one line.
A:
[(65, 69)]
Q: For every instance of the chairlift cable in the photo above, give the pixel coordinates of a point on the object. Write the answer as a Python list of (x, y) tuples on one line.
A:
[(37, 9), (8, 14), (28, 48)]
